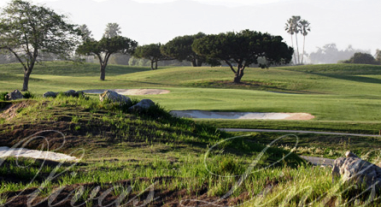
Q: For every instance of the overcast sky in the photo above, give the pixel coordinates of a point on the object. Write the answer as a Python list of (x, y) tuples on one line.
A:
[(344, 22)]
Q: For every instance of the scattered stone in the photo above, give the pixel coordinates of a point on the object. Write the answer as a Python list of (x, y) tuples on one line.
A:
[(113, 97), (72, 93), (354, 170), (143, 105), (50, 94), (16, 94)]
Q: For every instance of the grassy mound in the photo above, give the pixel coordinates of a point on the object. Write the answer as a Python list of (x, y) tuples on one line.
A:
[(180, 157)]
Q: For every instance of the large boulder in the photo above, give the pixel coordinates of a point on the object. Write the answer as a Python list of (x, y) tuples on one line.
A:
[(114, 97), (143, 105), (50, 94), (16, 94), (354, 170)]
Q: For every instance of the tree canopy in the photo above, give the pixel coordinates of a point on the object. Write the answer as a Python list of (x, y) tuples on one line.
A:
[(105, 47), (27, 30), (244, 48), (151, 52), (362, 58), (180, 48)]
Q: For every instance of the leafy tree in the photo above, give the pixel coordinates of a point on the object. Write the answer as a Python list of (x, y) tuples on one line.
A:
[(27, 30), (180, 48), (151, 52), (105, 47), (304, 29), (244, 48), (112, 30), (362, 58)]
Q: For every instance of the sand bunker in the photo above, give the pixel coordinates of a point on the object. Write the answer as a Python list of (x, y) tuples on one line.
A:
[(130, 91), (242, 115), (36, 154)]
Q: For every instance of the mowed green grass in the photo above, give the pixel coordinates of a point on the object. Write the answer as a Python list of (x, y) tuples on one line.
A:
[(338, 95)]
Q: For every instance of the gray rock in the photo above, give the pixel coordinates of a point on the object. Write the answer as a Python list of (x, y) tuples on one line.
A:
[(114, 97), (50, 94), (144, 104), (354, 170), (70, 93), (16, 94)]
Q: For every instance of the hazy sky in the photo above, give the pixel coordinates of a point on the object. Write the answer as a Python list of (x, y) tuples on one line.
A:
[(344, 22), (221, 2)]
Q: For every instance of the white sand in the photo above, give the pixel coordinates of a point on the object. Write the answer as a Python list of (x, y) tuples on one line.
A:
[(242, 115), (36, 154), (130, 91)]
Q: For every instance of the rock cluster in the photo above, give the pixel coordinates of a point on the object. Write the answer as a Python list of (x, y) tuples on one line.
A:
[(16, 94), (114, 97), (354, 170), (72, 93)]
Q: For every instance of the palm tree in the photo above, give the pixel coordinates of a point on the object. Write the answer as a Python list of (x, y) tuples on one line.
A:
[(290, 29), (295, 23), (304, 29)]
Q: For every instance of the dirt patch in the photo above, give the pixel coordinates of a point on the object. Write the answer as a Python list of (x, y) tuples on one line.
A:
[(130, 91), (241, 115), (11, 110)]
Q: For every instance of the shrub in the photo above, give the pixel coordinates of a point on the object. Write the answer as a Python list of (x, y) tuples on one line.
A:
[(28, 95), (2, 96)]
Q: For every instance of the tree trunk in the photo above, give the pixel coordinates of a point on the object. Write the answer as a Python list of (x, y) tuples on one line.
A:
[(238, 75), (304, 44), (26, 80), (152, 65), (292, 43), (103, 72), (297, 47), (194, 63), (199, 63), (156, 64)]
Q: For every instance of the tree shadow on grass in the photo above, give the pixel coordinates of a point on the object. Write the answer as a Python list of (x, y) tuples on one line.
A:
[(351, 78)]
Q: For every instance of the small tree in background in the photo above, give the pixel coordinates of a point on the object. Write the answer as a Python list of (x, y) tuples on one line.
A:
[(86, 33), (112, 30), (104, 48), (27, 30), (362, 58), (378, 56), (151, 52), (244, 48)]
